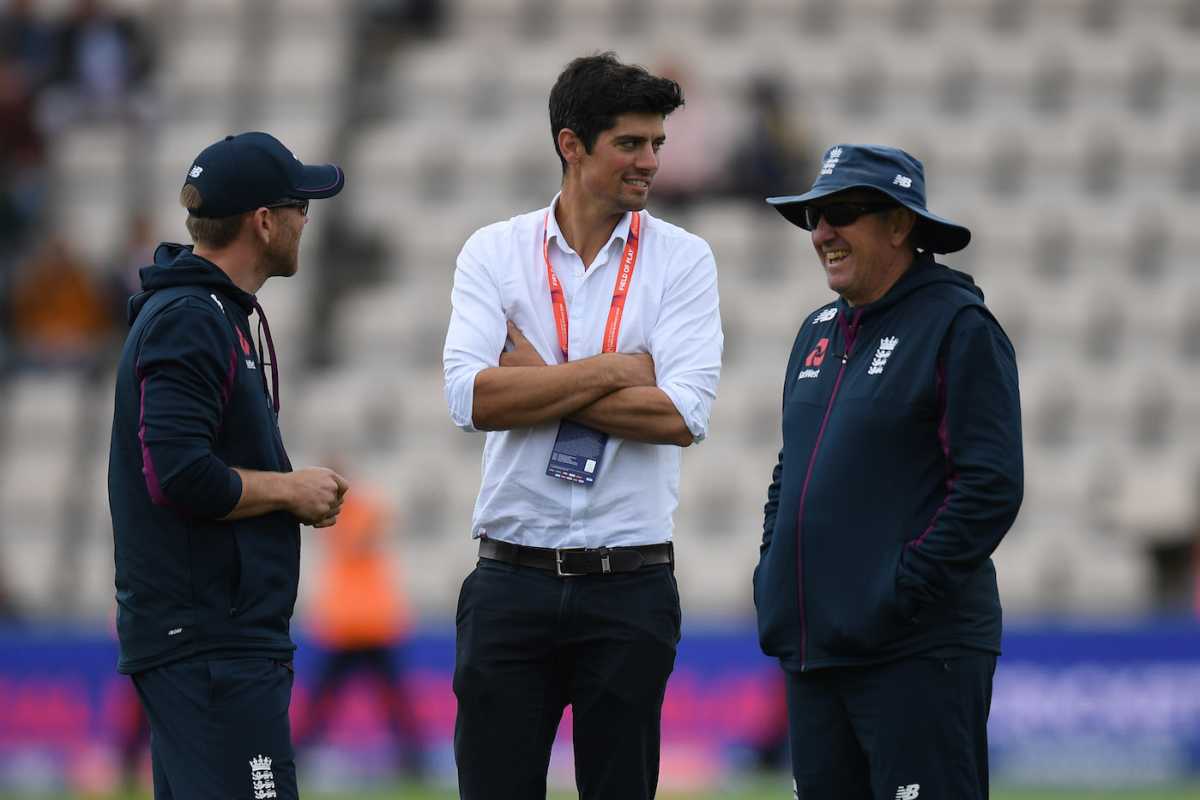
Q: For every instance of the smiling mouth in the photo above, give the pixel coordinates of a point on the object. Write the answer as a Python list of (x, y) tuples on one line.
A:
[(640, 183), (835, 257)]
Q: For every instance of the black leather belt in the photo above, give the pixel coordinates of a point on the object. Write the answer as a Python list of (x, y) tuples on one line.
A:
[(578, 560)]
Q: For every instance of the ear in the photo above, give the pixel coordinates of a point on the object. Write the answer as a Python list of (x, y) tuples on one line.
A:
[(262, 225), (570, 146), (901, 225)]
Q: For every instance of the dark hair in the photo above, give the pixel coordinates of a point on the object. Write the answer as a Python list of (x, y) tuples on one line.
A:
[(593, 91), (211, 232)]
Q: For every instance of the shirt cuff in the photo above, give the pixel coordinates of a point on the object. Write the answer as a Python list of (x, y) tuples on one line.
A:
[(460, 397), (690, 408)]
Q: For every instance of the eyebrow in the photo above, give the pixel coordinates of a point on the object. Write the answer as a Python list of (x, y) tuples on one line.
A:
[(633, 137)]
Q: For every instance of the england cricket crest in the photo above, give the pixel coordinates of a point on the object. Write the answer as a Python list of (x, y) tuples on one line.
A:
[(262, 778)]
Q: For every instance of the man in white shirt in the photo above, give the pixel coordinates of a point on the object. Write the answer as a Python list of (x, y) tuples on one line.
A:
[(586, 339)]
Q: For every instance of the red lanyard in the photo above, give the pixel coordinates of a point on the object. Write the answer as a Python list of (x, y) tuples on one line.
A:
[(620, 289)]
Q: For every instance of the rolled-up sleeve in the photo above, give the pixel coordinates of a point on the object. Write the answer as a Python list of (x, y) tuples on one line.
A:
[(477, 330), (687, 340)]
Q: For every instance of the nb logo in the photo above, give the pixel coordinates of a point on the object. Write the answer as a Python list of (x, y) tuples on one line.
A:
[(195, 171), (825, 316), (904, 181), (909, 792)]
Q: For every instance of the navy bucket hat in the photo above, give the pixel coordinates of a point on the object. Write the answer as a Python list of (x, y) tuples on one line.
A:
[(244, 172), (889, 170)]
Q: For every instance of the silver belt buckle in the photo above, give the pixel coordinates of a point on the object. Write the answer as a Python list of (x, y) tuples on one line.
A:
[(558, 565)]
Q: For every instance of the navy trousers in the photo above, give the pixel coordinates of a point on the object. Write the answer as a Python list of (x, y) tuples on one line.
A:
[(529, 643), (913, 729), (219, 729)]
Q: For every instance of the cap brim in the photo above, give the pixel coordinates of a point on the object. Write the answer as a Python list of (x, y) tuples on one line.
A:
[(940, 235), (322, 180)]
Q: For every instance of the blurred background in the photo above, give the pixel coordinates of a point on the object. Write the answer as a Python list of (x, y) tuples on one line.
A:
[(1064, 133)]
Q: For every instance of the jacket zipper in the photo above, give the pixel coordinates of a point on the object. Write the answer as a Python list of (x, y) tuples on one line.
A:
[(849, 332)]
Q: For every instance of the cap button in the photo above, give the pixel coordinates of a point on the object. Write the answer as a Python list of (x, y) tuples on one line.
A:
[(229, 138)]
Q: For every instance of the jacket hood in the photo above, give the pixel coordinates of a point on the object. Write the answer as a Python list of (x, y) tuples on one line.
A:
[(176, 265), (924, 272)]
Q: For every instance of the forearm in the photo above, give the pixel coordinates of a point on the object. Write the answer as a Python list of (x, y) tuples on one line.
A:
[(262, 493), (520, 397), (640, 413)]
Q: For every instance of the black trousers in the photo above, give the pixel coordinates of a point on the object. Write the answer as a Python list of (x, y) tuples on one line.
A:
[(914, 729), (219, 729), (530, 643)]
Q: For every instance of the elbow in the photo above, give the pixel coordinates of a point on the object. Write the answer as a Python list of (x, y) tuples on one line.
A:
[(480, 423), (482, 419), (681, 435)]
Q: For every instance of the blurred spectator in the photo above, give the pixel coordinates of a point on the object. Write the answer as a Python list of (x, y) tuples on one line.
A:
[(103, 63), (1196, 574), (690, 162), (22, 158), (58, 316), (26, 40), (405, 19), (8, 607), (361, 620), (121, 277), (771, 157)]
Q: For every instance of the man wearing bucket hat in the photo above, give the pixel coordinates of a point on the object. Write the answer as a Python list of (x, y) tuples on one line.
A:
[(900, 472), (205, 506)]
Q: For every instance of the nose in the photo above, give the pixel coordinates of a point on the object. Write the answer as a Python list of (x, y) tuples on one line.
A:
[(823, 232), (647, 158)]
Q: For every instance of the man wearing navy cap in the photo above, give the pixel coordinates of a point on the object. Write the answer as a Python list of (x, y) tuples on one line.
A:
[(900, 472), (206, 509)]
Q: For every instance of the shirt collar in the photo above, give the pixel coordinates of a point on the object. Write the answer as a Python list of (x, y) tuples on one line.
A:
[(553, 233)]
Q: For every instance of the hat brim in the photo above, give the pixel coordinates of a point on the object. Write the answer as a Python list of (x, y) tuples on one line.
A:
[(320, 180), (940, 235)]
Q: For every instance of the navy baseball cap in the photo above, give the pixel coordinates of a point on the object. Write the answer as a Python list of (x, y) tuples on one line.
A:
[(889, 170), (241, 173)]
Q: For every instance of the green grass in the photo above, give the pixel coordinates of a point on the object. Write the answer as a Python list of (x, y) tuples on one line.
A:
[(780, 790)]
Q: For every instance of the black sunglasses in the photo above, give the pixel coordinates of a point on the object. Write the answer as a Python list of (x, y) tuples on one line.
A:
[(290, 203), (839, 214)]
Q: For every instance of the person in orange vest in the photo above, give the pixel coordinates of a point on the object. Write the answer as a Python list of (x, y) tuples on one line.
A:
[(360, 617)]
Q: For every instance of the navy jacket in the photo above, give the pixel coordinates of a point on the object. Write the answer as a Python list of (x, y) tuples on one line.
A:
[(900, 472), (191, 403)]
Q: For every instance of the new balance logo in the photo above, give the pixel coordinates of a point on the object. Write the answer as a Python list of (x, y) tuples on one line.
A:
[(825, 316), (910, 792), (903, 180), (195, 171)]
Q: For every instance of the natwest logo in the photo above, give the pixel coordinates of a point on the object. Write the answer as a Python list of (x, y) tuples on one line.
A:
[(817, 355)]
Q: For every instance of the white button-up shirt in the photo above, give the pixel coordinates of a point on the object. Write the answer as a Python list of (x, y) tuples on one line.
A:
[(671, 312)]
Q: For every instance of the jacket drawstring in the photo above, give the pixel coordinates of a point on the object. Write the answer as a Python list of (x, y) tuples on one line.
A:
[(263, 325)]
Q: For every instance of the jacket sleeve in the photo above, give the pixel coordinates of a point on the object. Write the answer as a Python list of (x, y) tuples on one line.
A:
[(186, 367), (980, 435), (771, 508)]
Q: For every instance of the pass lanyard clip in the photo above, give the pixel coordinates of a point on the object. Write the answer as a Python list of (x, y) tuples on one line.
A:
[(558, 299)]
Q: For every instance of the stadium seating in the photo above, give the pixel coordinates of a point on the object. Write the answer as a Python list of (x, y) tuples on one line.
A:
[(1066, 134)]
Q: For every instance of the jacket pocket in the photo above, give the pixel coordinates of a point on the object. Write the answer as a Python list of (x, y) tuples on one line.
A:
[(876, 619)]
